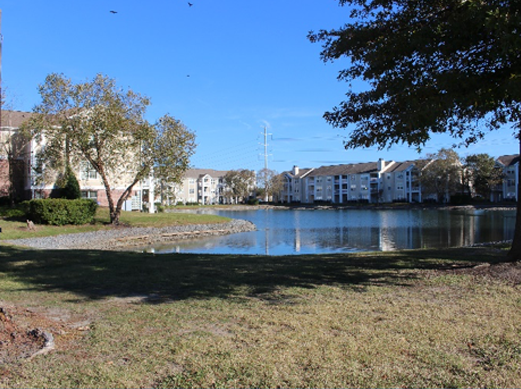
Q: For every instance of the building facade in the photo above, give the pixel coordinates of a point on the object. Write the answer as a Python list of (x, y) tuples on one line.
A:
[(30, 185), (508, 190), (372, 182), (201, 186)]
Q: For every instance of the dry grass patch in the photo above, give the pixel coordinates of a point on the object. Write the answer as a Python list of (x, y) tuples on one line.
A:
[(403, 319)]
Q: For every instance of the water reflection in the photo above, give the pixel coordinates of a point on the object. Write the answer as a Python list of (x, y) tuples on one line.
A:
[(282, 232)]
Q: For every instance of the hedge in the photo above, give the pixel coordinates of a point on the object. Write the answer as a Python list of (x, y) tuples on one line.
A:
[(61, 211)]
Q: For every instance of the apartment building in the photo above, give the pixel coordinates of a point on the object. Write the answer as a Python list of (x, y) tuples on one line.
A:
[(28, 187), (201, 186), (292, 191), (371, 182), (12, 143), (508, 190)]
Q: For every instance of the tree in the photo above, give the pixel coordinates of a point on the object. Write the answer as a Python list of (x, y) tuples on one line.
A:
[(270, 181), (98, 122), (67, 185), (484, 174), (441, 174), (240, 183), (448, 66)]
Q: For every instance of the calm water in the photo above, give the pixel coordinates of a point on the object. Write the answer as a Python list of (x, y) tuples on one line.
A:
[(282, 232)]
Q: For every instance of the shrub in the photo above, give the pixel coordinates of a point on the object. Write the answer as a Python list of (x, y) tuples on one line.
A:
[(61, 211), (66, 186), (71, 190)]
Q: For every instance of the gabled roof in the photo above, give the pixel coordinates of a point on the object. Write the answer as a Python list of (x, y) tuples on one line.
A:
[(197, 173), (301, 173), (337, 170), (508, 160), (400, 166), (14, 119)]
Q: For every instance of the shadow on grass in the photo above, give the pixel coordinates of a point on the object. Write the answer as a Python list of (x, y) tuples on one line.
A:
[(100, 274)]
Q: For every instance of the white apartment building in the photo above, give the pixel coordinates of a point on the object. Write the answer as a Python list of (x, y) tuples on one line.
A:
[(509, 188), (371, 182)]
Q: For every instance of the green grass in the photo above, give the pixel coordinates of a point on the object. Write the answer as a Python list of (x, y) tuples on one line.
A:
[(399, 319), (14, 226)]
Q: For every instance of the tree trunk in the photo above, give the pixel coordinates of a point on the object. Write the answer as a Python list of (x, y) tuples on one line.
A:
[(114, 214), (515, 251), (114, 217)]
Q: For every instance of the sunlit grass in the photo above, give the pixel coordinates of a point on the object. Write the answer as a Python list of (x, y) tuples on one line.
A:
[(14, 225)]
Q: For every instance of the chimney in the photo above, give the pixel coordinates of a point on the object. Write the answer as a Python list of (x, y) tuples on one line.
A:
[(295, 170), (381, 164)]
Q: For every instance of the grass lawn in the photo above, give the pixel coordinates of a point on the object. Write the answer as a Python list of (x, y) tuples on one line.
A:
[(14, 226), (415, 318)]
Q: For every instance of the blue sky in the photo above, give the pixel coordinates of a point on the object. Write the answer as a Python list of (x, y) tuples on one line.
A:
[(226, 69)]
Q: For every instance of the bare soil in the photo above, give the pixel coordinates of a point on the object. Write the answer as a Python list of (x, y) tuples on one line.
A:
[(27, 332), (509, 272)]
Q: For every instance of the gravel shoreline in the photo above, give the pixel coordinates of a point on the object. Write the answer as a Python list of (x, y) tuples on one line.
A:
[(122, 237)]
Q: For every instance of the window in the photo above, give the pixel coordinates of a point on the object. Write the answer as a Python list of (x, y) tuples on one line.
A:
[(191, 191), (88, 172), (89, 194)]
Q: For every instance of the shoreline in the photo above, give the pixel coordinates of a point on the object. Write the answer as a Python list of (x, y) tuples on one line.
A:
[(398, 206), (123, 237)]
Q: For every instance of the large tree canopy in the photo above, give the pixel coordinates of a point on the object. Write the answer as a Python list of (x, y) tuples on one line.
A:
[(240, 183), (441, 175), (431, 66), (98, 122)]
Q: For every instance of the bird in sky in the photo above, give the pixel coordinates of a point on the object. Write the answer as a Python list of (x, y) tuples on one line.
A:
[(113, 12), (190, 4)]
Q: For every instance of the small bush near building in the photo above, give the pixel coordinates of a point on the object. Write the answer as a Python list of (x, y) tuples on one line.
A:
[(61, 211), (67, 186)]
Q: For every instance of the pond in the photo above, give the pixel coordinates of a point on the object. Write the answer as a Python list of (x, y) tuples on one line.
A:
[(287, 232)]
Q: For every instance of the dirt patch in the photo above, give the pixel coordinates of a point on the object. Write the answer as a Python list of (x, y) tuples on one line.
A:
[(26, 333), (509, 272)]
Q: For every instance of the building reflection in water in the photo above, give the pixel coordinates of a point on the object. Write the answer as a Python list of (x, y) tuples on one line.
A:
[(329, 231)]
